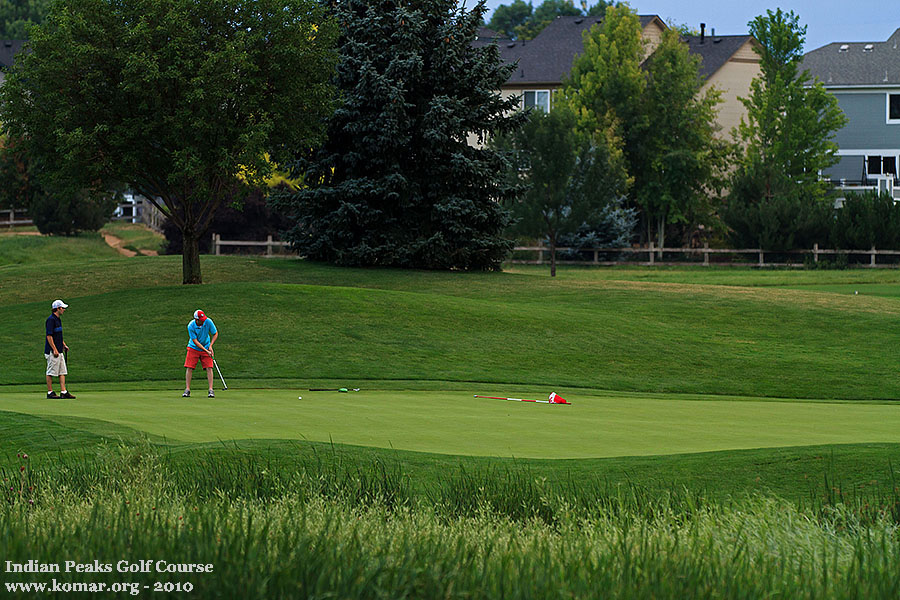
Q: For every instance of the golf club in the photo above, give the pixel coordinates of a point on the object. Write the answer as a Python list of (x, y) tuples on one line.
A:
[(224, 385), (333, 389)]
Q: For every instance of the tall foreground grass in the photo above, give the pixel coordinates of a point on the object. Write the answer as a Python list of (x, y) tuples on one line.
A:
[(326, 533)]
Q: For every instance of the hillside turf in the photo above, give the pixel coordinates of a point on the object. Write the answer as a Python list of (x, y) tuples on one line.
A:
[(662, 364)]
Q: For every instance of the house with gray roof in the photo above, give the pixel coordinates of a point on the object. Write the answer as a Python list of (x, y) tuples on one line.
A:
[(727, 62), (8, 51), (865, 79)]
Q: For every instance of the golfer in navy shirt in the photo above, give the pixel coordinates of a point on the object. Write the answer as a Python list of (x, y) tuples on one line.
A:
[(55, 349)]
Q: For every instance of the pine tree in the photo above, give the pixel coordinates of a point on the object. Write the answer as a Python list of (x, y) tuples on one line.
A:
[(397, 183)]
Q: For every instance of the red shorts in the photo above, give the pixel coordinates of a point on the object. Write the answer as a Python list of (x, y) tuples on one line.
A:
[(194, 355)]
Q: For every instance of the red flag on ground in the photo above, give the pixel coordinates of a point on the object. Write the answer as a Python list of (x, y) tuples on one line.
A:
[(556, 399)]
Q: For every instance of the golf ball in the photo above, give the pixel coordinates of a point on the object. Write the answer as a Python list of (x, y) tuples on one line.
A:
[(299, 397)]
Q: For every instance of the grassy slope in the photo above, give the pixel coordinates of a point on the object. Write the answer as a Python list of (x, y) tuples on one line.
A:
[(797, 473), (507, 328), (615, 329)]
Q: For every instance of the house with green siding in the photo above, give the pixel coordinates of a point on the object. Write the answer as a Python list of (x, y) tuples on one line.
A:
[(865, 79)]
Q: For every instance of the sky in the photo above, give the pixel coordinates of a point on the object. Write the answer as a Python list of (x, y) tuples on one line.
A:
[(826, 21)]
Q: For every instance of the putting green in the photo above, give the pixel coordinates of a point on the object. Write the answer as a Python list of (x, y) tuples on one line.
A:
[(449, 422)]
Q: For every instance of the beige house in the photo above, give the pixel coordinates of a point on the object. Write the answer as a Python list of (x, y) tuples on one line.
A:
[(728, 62)]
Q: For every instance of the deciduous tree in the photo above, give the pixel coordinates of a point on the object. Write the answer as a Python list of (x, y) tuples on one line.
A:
[(790, 122), (175, 98), (570, 177)]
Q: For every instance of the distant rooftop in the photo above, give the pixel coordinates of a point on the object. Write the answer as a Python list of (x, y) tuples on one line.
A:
[(8, 50), (548, 57), (861, 64), (714, 50)]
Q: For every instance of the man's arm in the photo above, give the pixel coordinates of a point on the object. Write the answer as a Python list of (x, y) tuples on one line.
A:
[(213, 341), (53, 345), (205, 349)]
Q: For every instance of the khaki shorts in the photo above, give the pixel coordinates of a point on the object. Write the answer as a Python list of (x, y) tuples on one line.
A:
[(56, 365)]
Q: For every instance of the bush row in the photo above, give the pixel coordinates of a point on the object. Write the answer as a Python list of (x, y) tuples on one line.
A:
[(780, 223)]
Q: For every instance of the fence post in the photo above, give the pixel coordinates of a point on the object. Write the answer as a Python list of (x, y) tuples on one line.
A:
[(872, 262), (596, 256), (705, 254), (651, 253), (540, 260), (216, 239), (816, 252), (761, 261)]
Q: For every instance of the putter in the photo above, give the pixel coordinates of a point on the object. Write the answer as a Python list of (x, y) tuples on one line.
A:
[(224, 385)]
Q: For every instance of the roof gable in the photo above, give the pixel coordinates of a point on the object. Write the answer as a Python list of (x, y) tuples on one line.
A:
[(715, 50), (548, 57)]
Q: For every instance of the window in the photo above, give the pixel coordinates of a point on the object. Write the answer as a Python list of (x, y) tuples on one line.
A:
[(894, 107), (881, 165), (537, 99), (873, 165)]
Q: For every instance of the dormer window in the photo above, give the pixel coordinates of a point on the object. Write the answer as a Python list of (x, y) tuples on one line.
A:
[(844, 48), (868, 48)]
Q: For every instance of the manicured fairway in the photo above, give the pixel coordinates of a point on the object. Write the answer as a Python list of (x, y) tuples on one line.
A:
[(453, 422)]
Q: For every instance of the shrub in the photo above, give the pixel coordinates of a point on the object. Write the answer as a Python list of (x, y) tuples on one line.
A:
[(778, 224), (867, 220), (68, 212)]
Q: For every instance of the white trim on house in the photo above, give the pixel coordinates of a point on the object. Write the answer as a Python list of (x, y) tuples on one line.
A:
[(858, 89), (868, 151)]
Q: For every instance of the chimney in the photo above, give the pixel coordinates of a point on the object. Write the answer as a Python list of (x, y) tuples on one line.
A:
[(702, 32)]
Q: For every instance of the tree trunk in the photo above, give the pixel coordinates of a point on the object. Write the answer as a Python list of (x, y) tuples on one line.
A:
[(190, 259), (553, 256), (661, 234)]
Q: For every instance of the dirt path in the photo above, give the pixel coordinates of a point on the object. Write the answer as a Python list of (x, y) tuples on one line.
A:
[(117, 243)]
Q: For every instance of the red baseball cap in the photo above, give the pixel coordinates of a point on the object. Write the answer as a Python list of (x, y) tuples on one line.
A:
[(199, 315)]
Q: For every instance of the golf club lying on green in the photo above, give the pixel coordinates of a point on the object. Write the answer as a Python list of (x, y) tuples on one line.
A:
[(343, 390)]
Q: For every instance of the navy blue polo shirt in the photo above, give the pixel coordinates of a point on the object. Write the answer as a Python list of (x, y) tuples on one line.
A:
[(54, 328)]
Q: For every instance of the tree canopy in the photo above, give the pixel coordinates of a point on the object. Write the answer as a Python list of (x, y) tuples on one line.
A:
[(570, 178), (654, 110), (397, 182), (16, 16), (791, 120), (174, 98)]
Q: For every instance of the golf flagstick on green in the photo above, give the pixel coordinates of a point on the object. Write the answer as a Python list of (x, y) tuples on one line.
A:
[(553, 398), (342, 390)]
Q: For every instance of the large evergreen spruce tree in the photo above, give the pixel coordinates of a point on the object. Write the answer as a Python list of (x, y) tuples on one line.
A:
[(397, 183)]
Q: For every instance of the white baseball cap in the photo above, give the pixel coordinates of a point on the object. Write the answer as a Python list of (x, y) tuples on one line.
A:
[(58, 304)]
